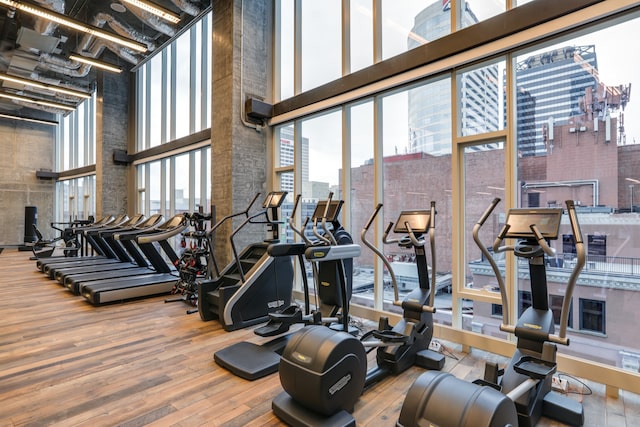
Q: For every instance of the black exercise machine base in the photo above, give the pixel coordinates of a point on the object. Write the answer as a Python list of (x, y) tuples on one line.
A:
[(295, 415)]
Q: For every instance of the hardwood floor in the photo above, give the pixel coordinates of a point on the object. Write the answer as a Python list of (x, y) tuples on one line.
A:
[(146, 363)]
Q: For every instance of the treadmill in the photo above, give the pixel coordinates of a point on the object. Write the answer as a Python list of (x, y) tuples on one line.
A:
[(135, 263), (101, 258), (158, 281)]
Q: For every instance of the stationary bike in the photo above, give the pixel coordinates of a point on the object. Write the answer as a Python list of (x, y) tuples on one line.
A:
[(519, 394), (323, 372)]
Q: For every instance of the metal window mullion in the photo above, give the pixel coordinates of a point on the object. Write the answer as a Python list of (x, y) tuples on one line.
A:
[(377, 31), (346, 167), (204, 73), (346, 37), (297, 47), (457, 209), (378, 197), (511, 176), (172, 185), (203, 179), (192, 181)]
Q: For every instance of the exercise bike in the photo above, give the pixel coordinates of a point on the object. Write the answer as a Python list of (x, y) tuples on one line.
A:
[(323, 372), (519, 394), (44, 248)]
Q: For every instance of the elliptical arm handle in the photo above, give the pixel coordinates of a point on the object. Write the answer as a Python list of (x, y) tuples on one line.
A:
[(386, 234), (542, 242), (363, 237), (581, 259), (492, 262), (432, 243), (292, 221)]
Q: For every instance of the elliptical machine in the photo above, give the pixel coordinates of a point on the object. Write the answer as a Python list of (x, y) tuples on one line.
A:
[(332, 273), (323, 372), (521, 393)]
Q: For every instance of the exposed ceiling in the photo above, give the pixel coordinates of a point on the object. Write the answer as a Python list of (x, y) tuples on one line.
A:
[(38, 50)]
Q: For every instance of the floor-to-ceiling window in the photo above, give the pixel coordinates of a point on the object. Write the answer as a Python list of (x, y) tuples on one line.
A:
[(533, 127), (173, 102), (75, 148)]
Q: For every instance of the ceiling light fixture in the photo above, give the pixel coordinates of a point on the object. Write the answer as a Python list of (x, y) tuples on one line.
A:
[(28, 119), (96, 63), (73, 24), (155, 9), (34, 83), (36, 101)]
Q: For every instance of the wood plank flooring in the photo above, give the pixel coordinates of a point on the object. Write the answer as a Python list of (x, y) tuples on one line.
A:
[(146, 363)]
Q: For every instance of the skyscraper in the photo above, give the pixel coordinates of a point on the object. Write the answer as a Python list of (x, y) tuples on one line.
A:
[(429, 105), (549, 87)]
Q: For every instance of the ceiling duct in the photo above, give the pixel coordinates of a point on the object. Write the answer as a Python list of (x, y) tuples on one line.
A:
[(187, 7), (46, 27), (153, 21)]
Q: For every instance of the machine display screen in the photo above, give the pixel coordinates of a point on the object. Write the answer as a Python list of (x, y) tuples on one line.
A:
[(332, 212), (274, 199), (419, 221), (546, 220)]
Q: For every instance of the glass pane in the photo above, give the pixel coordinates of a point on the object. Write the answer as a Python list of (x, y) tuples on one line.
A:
[(484, 180), (413, 178), (321, 147), (480, 99), (321, 42), (361, 27), (362, 198), (183, 85), (155, 101), (429, 116), (576, 144), (286, 32), (478, 10), (408, 24), (182, 189), (154, 188)]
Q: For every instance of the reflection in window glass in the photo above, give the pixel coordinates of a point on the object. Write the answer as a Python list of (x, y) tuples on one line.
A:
[(361, 27), (408, 24), (480, 97), (429, 116), (154, 187), (321, 42), (572, 99), (479, 10)]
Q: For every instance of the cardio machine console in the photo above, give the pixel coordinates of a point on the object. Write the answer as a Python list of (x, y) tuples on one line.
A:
[(332, 212), (274, 199), (547, 220), (418, 220)]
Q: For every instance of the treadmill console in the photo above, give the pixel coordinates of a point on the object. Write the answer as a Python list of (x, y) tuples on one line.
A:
[(418, 220), (547, 220)]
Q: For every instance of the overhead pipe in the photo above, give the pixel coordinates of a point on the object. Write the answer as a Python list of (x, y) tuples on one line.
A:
[(46, 27), (153, 21), (187, 7)]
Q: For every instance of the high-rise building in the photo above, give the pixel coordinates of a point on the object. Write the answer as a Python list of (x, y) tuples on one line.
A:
[(287, 152), (429, 105), (549, 87)]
